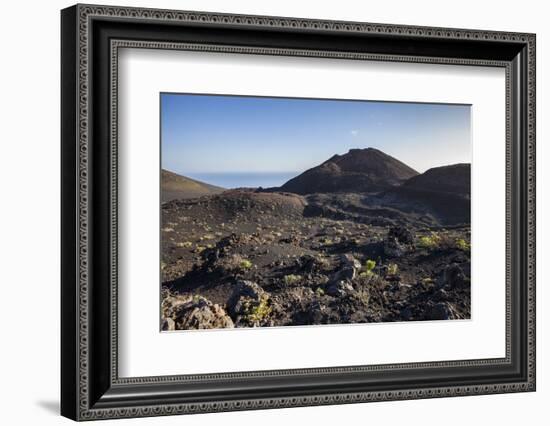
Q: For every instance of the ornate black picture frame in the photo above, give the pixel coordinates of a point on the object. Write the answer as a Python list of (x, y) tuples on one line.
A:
[(91, 36)]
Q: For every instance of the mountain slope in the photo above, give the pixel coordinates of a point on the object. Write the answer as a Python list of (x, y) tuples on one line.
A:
[(454, 178), (174, 186), (359, 170), (443, 192)]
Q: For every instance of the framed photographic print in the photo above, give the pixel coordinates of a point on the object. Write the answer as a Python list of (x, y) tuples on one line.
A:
[(264, 212)]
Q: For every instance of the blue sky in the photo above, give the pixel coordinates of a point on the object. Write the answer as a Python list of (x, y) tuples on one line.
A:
[(204, 134)]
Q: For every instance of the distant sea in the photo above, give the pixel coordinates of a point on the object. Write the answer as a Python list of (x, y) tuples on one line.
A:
[(244, 180)]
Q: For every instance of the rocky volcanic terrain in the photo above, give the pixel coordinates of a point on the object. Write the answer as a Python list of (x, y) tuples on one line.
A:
[(360, 238)]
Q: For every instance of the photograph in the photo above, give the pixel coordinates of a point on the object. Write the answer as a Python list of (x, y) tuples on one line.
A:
[(298, 212), (264, 209)]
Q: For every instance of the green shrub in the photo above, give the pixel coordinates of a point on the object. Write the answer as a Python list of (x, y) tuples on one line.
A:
[(291, 279), (370, 265), (245, 264), (260, 311), (462, 244), (429, 241)]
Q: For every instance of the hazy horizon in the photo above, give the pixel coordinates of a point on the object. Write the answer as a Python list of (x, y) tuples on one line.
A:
[(219, 135)]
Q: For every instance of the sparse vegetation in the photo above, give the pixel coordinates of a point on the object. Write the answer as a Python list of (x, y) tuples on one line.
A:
[(185, 244), (462, 244), (429, 241), (291, 279), (256, 313), (393, 269), (245, 264), (443, 241), (370, 265)]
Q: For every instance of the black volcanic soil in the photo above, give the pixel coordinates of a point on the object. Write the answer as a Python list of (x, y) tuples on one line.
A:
[(251, 258)]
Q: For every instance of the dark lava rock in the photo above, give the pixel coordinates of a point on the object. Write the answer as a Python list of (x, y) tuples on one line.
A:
[(249, 305), (392, 248), (398, 242), (348, 261), (316, 313), (193, 313), (441, 295), (343, 274), (339, 288), (349, 267), (309, 263), (454, 277), (293, 239), (351, 307), (406, 314), (442, 311), (401, 234)]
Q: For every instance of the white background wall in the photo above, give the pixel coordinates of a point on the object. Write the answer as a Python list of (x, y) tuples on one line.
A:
[(29, 214)]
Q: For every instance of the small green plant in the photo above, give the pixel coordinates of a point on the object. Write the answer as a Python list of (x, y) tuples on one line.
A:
[(320, 292), (260, 311), (185, 244), (199, 249), (462, 244), (429, 241), (245, 264), (370, 265), (393, 269), (291, 279), (368, 269)]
